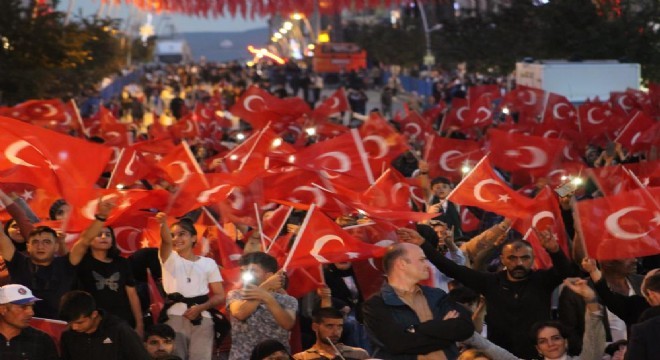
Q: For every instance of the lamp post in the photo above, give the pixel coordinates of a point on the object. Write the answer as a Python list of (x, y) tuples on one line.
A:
[(429, 59)]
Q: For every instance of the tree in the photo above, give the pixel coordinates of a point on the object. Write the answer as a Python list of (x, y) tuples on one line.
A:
[(42, 58)]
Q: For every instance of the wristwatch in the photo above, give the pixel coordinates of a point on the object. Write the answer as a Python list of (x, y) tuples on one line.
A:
[(411, 329)]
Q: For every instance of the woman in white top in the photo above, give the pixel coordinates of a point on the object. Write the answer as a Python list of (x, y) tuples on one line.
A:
[(186, 279)]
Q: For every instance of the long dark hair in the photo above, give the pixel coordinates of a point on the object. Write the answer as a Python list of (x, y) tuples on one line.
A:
[(113, 252)]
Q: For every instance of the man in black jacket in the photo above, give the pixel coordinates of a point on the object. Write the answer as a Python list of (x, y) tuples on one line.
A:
[(405, 320), (516, 297), (94, 334), (643, 342)]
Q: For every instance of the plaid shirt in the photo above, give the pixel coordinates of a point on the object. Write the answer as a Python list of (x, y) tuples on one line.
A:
[(30, 344)]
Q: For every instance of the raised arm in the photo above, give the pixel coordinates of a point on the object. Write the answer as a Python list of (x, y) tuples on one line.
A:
[(593, 341), (166, 238), (251, 297), (18, 214), (79, 249), (7, 248), (475, 280)]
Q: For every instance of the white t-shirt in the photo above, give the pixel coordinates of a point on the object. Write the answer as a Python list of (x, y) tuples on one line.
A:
[(188, 278)]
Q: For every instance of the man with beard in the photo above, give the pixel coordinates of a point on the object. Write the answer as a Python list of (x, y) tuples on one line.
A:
[(516, 297), (328, 324)]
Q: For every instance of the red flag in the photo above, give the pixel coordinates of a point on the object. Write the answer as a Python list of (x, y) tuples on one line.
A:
[(335, 103), (477, 92), (390, 191), (622, 226), (611, 180), (258, 108), (39, 110), (415, 127), (185, 128), (50, 160), (479, 114), (597, 119), (321, 241), (544, 215), (469, 222), (447, 156), (629, 136), (534, 154), (560, 111), (456, 115), (229, 253), (138, 161), (622, 102), (483, 188), (54, 328), (341, 156), (274, 222), (381, 142), (303, 280)]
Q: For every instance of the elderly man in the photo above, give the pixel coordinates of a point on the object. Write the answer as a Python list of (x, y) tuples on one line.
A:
[(18, 340), (409, 321)]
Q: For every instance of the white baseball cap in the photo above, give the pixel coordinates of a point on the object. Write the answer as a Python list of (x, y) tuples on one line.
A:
[(16, 294)]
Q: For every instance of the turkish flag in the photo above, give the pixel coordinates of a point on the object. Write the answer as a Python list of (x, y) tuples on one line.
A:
[(544, 215), (562, 172), (433, 113), (336, 158), (239, 207), (296, 187), (415, 127), (382, 142), (390, 191), (648, 172), (303, 280), (598, 119), (369, 276), (252, 154), (483, 188), (38, 110), (274, 221), (622, 103), (469, 222), (139, 160), (321, 241), (185, 128), (526, 100), (228, 252), (456, 115), (479, 114), (611, 180), (560, 111), (179, 164), (629, 136), (621, 226), (55, 162), (378, 233), (447, 156), (157, 130), (335, 103), (491, 91), (116, 135), (534, 154), (258, 107)]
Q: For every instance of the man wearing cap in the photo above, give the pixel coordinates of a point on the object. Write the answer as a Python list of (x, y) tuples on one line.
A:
[(18, 340), (47, 275)]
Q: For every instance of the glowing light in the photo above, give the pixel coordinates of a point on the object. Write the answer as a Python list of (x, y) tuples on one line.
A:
[(288, 25), (247, 277), (277, 142), (292, 158), (297, 16), (233, 157), (259, 53), (505, 111), (577, 181), (277, 35), (324, 37), (120, 186), (564, 178), (283, 31), (311, 46), (310, 131), (240, 136), (465, 169)]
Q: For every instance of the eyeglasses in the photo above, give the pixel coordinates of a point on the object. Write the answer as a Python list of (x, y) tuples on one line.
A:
[(552, 339)]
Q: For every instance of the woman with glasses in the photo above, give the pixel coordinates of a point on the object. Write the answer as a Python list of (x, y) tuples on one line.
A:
[(103, 273), (551, 337)]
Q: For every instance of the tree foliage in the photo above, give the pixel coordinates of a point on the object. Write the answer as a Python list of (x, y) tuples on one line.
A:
[(41, 57), (560, 29)]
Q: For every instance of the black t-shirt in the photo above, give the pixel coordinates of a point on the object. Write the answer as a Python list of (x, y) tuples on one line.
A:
[(48, 283), (107, 282)]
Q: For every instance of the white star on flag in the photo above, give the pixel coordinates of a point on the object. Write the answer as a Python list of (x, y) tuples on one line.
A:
[(656, 218), (144, 243), (512, 153), (352, 255), (504, 198), (27, 195)]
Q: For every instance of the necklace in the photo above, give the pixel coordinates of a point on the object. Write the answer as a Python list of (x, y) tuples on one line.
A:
[(189, 271)]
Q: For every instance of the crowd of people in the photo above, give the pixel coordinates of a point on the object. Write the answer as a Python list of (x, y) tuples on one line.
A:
[(440, 288)]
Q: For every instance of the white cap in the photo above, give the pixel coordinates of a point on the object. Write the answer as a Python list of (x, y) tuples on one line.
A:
[(16, 294)]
